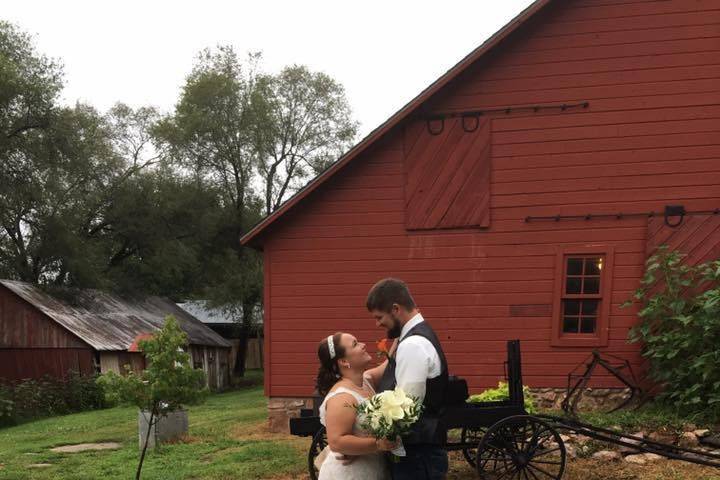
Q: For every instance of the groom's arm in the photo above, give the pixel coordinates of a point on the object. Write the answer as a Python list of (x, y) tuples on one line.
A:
[(417, 361)]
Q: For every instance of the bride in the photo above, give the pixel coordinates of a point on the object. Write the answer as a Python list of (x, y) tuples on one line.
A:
[(345, 381)]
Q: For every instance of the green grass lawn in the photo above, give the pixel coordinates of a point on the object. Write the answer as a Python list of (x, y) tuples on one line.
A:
[(227, 441)]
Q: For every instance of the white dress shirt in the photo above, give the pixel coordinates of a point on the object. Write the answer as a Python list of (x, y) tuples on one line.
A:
[(416, 360)]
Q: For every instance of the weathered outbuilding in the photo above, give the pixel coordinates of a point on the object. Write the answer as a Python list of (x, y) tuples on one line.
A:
[(92, 331)]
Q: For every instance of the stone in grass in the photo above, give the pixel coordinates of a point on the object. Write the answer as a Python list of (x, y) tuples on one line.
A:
[(688, 440), (40, 465), (607, 455), (702, 433), (642, 458), (82, 447), (662, 436), (582, 439), (636, 459), (571, 451)]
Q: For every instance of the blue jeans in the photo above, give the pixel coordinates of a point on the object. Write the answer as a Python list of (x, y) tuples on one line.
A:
[(424, 462)]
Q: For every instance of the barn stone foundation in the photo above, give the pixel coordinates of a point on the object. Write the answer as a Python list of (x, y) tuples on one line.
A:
[(592, 399), (281, 409)]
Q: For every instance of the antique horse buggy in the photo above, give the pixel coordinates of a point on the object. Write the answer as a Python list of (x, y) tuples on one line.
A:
[(501, 441)]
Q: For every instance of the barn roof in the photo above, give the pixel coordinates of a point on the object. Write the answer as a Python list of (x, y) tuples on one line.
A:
[(252, 237), (109, 322)]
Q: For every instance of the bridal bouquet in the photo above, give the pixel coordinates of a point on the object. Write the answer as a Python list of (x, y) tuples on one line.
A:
[(390, 414)]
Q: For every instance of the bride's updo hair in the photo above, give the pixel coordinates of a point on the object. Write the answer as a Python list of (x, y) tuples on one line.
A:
[(329, 372)]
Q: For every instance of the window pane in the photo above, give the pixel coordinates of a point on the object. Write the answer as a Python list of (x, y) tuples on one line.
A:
[(593, 266), (587, 325), (592, 285), (589, 307), (573, 285), (572, 307), (570, 325), (574, 266)]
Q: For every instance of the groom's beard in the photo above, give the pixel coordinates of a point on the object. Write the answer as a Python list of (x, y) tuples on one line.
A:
[(396, 330)]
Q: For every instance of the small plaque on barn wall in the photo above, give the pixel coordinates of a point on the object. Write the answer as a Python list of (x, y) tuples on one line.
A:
[(530, 310)]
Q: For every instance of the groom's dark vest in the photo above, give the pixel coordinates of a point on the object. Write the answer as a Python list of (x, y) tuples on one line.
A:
[(427, 430)]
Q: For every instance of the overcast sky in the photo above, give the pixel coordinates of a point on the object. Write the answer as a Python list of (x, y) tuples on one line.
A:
[(139, 52)]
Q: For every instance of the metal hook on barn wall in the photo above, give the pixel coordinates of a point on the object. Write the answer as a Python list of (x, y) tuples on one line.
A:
[(674, 211), (436, 123), (435, 131), (475, 125)]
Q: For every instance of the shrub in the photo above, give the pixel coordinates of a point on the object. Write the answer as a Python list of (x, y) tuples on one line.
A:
[(7, 406), (502, 392), (49, 396), (680, 329)]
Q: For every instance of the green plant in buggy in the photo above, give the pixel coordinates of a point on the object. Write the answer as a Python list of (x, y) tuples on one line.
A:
[(502, 392), (168, 383), (680, 329)]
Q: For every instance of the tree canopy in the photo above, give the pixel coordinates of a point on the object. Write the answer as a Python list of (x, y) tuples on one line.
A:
[(133, 200)]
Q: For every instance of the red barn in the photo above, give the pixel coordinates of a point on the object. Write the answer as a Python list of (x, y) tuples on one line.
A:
[(519, 195)]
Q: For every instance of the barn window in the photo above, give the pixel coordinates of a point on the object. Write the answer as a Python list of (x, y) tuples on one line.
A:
[(582, 296)]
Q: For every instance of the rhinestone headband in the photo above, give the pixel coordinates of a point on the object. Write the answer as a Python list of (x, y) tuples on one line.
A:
[(331, 347)]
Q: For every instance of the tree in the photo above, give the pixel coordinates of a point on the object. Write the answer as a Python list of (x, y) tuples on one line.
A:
[(29, 86), (212, 137), (167, 384), (49, 197), (307, 126)]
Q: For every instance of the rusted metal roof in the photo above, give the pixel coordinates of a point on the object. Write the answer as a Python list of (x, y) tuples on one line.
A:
[(110, 322)]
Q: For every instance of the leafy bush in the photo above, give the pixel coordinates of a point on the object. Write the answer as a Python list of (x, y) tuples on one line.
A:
[(680, 328), (7, 406), (49, 396), (502, 392)]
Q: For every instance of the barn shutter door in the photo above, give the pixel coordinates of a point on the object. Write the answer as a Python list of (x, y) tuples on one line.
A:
[(447, 176), (698, 236)]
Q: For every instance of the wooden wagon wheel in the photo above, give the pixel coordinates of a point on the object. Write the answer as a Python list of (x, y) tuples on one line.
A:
[(521, 447), (318, 445), (471, 436)]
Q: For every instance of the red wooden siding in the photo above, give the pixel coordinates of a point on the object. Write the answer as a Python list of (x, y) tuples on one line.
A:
[(31, 345), (447, 176), (651, 137), (697, 236), (21, 363), (22, 325)]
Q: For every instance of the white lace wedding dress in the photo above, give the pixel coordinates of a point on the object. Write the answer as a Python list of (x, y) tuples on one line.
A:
[(365, 467)]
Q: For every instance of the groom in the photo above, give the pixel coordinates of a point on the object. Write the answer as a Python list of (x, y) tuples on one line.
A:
[(419, 367)]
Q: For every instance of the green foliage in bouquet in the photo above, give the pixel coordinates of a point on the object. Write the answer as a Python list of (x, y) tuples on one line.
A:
[(680, 329), (502, 392), (389, 414)]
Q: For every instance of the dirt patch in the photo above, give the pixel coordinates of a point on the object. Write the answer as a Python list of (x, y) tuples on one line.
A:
[(40, 465), (83, 447), (590, 469)]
